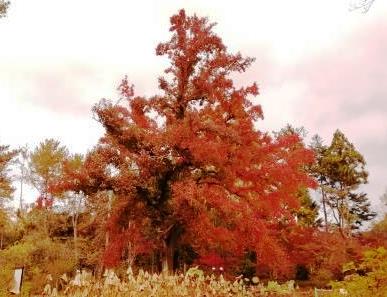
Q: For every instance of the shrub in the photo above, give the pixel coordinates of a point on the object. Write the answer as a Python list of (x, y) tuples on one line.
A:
[(40, 256), (370, 277)]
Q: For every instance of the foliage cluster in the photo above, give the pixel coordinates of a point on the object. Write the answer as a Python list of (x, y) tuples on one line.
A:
[(366, 278), (39, 254)]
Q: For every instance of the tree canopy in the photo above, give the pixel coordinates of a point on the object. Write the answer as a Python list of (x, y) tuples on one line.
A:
[(188, 166), (46, 163), (340, 171)]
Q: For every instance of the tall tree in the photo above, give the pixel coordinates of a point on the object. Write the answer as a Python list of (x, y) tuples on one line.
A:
[(45, 166), (189, 166), (46, 163), (343, 169)]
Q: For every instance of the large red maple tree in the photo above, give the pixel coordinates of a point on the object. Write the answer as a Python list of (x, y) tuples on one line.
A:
[(189, 166)]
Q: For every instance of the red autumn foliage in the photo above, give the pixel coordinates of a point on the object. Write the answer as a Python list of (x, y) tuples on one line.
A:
[(190, 165), (212, 261), (322, 251)]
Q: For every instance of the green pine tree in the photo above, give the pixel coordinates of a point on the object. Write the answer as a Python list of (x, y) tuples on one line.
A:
[(342, 170)]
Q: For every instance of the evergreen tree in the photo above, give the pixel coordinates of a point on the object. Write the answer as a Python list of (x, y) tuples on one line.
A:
[(340, 170)]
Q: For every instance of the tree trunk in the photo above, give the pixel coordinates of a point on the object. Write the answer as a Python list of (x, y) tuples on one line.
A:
[(169, 248), (21, 193), (110, 201), (75, 234), (167, 262), (324, 209)]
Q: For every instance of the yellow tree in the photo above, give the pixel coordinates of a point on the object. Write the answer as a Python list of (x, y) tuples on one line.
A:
[(46, 164)]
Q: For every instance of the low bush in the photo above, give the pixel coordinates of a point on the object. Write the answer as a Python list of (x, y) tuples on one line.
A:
[(369, 277)]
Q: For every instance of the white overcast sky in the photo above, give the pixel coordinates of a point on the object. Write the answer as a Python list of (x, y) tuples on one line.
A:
[(318, 65)]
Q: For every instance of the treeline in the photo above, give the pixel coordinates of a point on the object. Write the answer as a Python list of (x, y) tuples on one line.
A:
[(185, 178)]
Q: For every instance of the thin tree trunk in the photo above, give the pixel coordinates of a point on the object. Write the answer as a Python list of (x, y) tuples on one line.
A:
[(110, 201), (131, 256), (324, 209), (21, 192), (337, 219), (45, 208), (340, 212), (45, 221), (344, 219), (75, 234)]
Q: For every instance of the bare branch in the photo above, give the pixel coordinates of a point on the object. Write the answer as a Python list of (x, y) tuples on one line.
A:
[(363, 5)]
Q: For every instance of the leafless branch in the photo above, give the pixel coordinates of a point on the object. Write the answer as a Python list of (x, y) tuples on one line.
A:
[(363, 5)]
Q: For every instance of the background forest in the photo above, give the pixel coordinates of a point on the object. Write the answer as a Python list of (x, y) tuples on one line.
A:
[(186, 177)]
